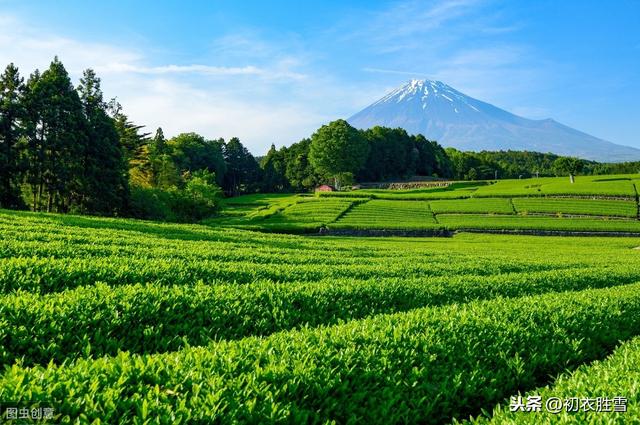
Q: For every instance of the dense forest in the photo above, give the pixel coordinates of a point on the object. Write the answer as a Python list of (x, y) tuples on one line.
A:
[(67, 149)]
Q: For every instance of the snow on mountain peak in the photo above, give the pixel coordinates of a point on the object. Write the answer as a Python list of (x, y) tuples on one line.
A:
[(442, 113), (428, 93), (423, 91)]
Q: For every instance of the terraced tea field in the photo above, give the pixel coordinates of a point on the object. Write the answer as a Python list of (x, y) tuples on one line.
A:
[(618, 186), (384, 214), (593, 204), (471, 206), (569, 206), (125, 321)]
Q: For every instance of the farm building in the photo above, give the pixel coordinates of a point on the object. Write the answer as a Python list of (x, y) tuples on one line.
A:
[(325, 188)]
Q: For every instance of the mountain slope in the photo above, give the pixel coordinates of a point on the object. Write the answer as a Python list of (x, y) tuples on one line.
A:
[(442, 113)]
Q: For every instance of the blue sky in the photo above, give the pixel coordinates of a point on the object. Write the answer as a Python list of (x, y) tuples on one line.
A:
[(274, 71)]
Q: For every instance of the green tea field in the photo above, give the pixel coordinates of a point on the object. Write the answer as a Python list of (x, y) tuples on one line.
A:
[(591, 205), (281, 213), (124, 321)]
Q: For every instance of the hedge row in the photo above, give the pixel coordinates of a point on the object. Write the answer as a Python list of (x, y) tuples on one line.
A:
[(154, 318), (614, 377), (428, 366)]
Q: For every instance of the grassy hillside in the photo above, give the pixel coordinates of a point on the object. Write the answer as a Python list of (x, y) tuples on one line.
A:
[(130, 321)]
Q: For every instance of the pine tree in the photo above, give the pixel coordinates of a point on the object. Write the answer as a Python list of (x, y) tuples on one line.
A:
[(159, 143), (64, 136), (57, 139), (135, 146), (166, 175), (12, 121), (132, 140), (35, 130), (159, 162), (105, 185)]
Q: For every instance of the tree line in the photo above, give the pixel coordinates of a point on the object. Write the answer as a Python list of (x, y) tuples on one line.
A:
[(67, 149), (339, 154), (487, 165)]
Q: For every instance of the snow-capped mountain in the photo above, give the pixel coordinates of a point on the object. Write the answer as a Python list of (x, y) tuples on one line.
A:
[(441, 113)]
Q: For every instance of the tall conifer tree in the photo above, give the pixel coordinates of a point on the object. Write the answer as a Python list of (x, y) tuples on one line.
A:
[(58, 139), (104, 170), (12, 121)]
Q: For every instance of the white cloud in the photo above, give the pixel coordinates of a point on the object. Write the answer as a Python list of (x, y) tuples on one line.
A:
[(270, 101), (116, 67), (413, 25), (283, 89), (395, 71), (464, 43), (412, 18), (179, 107), (32, 48), (181, 69)]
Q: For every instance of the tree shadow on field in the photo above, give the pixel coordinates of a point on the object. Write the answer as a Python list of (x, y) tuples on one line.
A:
[(620, 179), (157, 229), (173, 231)]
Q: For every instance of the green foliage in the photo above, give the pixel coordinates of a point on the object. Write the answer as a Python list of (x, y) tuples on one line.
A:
[(97, 153), (382, 214), (257, 199), (199, 199), (311, 213), (242, 171), (456, 190), (192, 152), (171, 316), (337, 148), (274, 169), (592, 186), (151, 204), (159, 143), (168, 317), (609, 378), (599, 207), (299, 171), (12, 130), (126, 318), (568, 166), (68, 150), (474, 205), (393, 154), (165, 173), (509, 164), (58, 140), (204, 194), (134, 142), (505, 222), (104, 176), (464, 205), (376, 370)]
